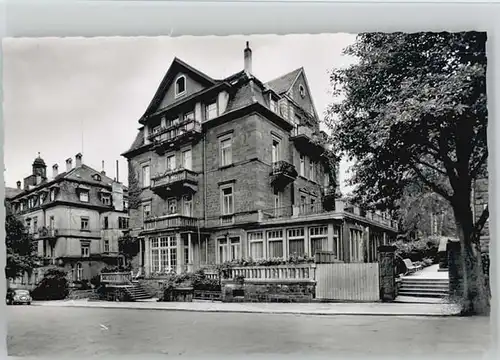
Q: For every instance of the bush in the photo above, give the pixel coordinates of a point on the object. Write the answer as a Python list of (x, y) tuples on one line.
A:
[(96, 281), (53, 286), (115, 269), (418, 250)]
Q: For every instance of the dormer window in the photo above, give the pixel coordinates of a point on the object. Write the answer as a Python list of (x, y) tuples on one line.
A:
[(211, 110), (180, 86), (83, 193), (302, 91), (273, 105), (106, 199), (97, 177)]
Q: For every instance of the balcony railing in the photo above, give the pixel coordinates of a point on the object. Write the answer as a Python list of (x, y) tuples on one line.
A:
[(172, 178), (309, 209), (170, 221), (308, 139), (301, 272), (283, 173), (318, 209), (176, 133), (45, 232)]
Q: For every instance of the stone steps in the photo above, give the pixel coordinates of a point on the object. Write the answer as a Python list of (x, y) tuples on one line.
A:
[(137, 292), (424, 287)]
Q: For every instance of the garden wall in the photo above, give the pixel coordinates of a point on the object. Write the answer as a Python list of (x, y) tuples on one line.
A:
[(268, 291)]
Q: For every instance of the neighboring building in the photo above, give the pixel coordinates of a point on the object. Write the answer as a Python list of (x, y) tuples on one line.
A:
[(237, 168), (76, 216)]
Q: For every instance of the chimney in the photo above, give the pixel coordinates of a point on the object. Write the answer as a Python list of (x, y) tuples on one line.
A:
[(18, 184), (69, 164), (78, 160), (248, 59), (55, 168), (102, 171), (117, 172)]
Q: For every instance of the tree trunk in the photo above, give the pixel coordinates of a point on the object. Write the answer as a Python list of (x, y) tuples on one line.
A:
[(475, 299)]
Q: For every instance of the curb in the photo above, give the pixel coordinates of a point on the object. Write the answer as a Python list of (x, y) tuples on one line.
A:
[(243, 311)]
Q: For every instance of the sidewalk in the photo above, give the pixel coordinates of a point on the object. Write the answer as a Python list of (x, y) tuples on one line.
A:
[(375, 309)]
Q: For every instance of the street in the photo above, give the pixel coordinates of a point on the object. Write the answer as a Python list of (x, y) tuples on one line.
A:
[(75, 332)]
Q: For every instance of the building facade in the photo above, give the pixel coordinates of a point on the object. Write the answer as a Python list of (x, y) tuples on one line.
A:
[(238, 168), (76, 216)]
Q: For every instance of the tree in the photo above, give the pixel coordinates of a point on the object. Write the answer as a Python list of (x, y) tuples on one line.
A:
[(128, 247), (414, 112), (424, 214), (21, 249)]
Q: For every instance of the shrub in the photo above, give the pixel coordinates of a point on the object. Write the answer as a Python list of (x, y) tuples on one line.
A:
[(96, 281), (53, 286), (417, 250), (115, 269)]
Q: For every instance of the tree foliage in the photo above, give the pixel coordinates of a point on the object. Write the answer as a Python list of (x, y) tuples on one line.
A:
[(413, 111), (21, 249), (128, 246), (134, 189), (424, 214)]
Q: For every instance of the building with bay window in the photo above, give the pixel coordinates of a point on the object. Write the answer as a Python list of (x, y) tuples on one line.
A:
[(76, 217), (232, 168)]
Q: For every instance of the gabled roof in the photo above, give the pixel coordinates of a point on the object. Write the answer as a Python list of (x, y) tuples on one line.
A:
[(82, 173), (86, 173), (11, 192), (176, 66), (283, 83)]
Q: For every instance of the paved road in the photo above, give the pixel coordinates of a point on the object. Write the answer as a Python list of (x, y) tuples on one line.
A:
[(77, 332)]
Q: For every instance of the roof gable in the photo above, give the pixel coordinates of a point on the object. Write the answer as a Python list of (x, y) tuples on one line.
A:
[(283, 83), (12, 192), (301, 94), (195, 81)]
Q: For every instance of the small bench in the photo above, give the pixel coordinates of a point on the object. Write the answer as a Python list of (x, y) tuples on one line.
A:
[(410, 267)]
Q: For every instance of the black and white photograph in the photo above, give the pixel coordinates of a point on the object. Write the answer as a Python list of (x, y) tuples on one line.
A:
[(212, 196)]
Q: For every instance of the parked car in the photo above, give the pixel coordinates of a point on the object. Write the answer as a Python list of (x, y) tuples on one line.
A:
[(18, 296)]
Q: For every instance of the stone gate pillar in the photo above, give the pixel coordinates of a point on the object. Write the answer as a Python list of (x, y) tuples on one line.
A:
[(387, 273), (455, 269)]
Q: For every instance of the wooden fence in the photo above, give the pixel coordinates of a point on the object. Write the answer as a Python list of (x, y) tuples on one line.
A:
[(348, 282)]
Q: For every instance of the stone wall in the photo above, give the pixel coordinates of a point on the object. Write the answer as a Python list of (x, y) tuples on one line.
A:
[(271, 291)]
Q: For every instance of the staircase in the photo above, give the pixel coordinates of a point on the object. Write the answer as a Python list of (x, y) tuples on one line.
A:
[(423, 287), (137, 292)]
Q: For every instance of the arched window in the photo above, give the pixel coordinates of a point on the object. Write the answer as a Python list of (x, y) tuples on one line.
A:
[(302, 91), (180, 85), (79, 272)]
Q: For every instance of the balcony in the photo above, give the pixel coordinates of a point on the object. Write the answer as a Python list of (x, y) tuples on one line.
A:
[(317, 211), (175, 135), (46, 232), (170, 222), (175, 181), (309, 141), (282, 174)]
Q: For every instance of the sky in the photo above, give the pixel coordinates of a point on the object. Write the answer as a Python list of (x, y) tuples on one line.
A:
[(63, 96)]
